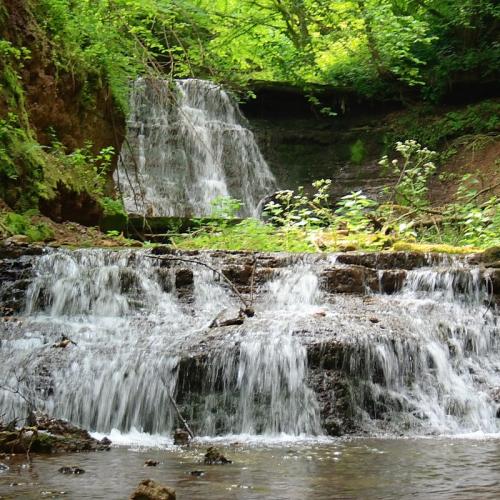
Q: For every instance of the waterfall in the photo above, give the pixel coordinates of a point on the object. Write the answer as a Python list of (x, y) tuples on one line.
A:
[(187, 144), (437, 369), (131, 329), (423, 360)]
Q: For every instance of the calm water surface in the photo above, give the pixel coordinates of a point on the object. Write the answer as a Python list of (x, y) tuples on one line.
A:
[(358, 468)]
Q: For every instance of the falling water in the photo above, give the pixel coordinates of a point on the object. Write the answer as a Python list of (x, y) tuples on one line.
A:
[(187, 144), (428, 362), (131, 327)]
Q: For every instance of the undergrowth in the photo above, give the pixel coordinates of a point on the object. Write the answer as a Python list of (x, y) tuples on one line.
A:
[(297, 222)]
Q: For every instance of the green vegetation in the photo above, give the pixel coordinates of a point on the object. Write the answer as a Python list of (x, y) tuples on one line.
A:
[(22, 224), (298, 222), (405, 50)]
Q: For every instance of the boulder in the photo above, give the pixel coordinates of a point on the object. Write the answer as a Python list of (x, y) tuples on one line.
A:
[(49, 435), (18, 239), (214, 457), (353, 279), (151, 490), (181, 437), (183, 278)]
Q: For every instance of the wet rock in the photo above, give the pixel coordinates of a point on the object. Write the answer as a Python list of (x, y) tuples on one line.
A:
[(49, 436), (3, 467), (391, 281), (151, 490), (333, 427), (183, 278), (197, 473), (373, 320), (105, 441), (151, 463), (352, 279), (239, 275), (72, 469), (494, 276), (386, 260), (181, 437), (490, 255), (214, 457)]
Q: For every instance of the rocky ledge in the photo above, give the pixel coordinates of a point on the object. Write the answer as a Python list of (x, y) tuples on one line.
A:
[(48, 435)]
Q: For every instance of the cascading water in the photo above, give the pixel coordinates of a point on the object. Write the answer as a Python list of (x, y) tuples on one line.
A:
[(185, 146), (131, 329), (436, 369), (428, 362)]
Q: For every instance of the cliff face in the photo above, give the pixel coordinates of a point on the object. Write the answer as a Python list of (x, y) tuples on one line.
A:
[(49, 103), (346, 140)]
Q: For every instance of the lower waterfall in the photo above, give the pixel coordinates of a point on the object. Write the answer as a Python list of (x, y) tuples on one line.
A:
[(423, 360)]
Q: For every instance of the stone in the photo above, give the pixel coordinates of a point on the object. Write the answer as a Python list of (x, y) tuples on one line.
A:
[(181, 437), (3, 467), (72, 469), (214, 457), (151, 463), (197, 473), (49, 435), (352, 279), (151, 490), (18, 239), (391, 281), (183, 278)]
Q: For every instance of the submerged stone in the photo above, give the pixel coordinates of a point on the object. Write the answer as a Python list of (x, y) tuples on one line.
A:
[(73, 469)]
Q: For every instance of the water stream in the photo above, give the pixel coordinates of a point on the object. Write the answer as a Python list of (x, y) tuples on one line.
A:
[(425, 360)]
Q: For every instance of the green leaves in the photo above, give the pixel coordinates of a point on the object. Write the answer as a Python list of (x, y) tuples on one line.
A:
[(413, 170)]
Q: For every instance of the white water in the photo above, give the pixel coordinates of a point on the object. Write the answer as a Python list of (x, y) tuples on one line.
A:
[(429, 365), (185, 146)]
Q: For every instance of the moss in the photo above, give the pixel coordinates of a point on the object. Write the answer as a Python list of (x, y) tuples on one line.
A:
[(433, 248), (358, 152)]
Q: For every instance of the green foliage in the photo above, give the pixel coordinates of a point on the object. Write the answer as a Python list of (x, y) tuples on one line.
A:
[(81, 170), (21, 224), (352, 210), (413, 171), (297, 209), (225, 207), (250, 234), (371, 45), (21, 163), (297, 221), (435, 131), (112, 206)]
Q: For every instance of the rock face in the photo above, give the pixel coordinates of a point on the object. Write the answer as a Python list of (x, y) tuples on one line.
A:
[(151, 490)]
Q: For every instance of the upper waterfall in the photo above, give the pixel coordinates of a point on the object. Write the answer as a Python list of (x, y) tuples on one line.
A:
[(186, 144)]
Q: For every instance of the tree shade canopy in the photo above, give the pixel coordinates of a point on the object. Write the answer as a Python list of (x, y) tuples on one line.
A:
[(371, 46)]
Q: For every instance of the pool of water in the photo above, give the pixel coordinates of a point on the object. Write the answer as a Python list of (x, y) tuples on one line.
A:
[(325, 469)]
